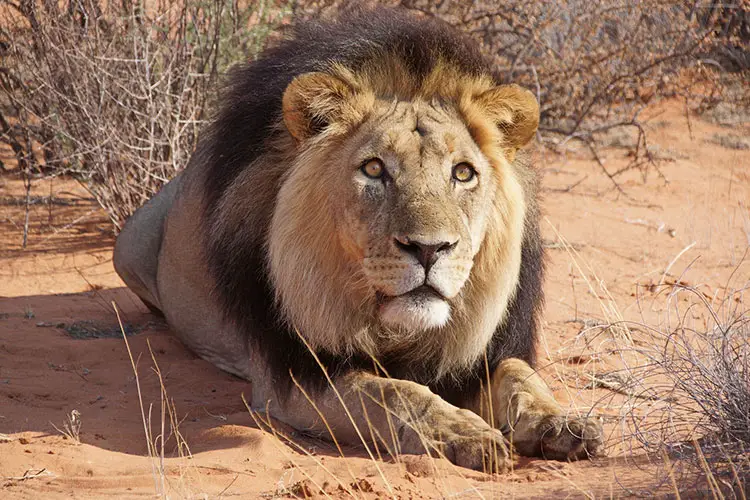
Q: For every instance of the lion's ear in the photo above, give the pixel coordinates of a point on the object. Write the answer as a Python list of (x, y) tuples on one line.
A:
[(515, 111), (314, 101)]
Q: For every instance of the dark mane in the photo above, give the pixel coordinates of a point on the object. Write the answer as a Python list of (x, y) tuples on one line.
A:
[(243, 131)]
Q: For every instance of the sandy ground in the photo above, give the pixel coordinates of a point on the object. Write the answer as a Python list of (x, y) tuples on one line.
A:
[(612, 256)]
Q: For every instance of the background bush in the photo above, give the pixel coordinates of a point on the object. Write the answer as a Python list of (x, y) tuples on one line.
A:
[(115, 93)]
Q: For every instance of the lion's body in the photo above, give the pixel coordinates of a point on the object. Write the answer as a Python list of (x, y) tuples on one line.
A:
[(272, 253)]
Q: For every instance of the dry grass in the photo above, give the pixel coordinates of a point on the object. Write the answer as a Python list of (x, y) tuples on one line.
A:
[(368, 440), (166, 483), (696, 370), (681, 389), (71, 427), (731, 141)]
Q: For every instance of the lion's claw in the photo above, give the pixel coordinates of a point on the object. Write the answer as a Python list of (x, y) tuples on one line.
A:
[(563, 438)]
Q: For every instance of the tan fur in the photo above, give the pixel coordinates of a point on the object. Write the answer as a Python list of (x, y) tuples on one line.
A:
[(330, 256)]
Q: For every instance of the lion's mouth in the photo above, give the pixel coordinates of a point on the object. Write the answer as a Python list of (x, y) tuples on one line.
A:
[(422, 292), (422, 308)]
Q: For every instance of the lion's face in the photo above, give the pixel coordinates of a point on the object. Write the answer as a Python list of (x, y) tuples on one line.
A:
[(401, 212), (414, 194)]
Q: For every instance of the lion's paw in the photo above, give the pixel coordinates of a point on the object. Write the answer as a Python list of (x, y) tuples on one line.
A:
[(560, 437), (468, 441)]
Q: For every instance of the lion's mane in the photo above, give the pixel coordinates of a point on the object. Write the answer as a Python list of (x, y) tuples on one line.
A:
[(246, 135)]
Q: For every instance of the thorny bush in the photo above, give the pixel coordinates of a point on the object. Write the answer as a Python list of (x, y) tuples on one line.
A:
[(116, 93)]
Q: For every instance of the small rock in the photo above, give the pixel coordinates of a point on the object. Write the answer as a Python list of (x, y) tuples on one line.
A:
[(362, 485)]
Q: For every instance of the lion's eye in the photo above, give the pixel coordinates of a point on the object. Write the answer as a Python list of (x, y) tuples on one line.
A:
[(463, 172), (373, 168)]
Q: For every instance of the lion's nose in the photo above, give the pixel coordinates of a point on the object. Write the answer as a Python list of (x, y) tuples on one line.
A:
[(426, 253)]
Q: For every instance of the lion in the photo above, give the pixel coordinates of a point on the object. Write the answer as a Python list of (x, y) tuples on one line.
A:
[(357, 234)]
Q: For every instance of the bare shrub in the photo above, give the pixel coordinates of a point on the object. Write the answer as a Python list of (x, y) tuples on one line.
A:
[(694, 386), (115, 93), (71, 427), (731, 24)]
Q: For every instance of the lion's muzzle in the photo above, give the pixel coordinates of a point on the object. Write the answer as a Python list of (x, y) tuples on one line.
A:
[(426, 273)]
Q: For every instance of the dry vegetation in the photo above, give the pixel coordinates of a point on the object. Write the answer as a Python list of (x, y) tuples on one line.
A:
[(697, 367), (116, 94)]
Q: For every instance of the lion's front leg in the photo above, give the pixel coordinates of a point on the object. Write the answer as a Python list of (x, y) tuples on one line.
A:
[(401, 417), (525, 410)]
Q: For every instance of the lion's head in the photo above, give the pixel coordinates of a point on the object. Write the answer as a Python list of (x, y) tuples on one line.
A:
[(398, 225)]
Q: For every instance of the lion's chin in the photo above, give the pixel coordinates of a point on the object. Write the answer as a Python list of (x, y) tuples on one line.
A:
[(415, 311)]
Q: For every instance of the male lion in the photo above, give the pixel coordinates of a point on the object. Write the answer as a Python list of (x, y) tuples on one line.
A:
[(360, 204)]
